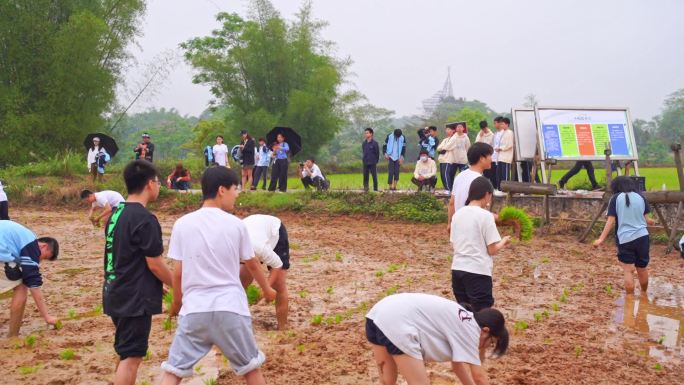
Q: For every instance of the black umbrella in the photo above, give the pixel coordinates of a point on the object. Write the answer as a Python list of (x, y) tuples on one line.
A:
[(291, 137), (106, 141)]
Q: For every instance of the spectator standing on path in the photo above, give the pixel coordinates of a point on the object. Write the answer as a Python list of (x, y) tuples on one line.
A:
[(446, 151), (108, 200), (575, 169), (487, 136), (207, 246), (220, 152), (394, 149), (428, 140), (425, 173), (279, 173), (94, 154), (480, 160), (263, 157), (179, 179), (4, 204), (496, 142), (133, 269), (22, 254), (504, 152), (462, 146), (370, 150), (145, 149), (248, 148)]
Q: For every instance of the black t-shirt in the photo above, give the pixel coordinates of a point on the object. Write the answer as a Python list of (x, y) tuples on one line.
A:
[(149, 153), (130, 288)]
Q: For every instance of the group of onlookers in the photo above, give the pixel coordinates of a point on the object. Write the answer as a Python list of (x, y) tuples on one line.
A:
[(451, 153)]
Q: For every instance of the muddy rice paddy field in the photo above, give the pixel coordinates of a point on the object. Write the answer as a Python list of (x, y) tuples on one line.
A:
[(569, 319)]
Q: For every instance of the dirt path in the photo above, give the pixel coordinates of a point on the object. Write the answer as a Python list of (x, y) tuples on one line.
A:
[(340, 267)]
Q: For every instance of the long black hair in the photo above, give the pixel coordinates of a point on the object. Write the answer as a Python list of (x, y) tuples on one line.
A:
[(479, 189), (495, 321), (623, 184)]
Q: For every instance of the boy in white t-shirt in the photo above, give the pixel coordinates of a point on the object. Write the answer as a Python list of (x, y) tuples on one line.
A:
[(475, 239), (220, 152), (207, 247), (480, 160), (106, 199)]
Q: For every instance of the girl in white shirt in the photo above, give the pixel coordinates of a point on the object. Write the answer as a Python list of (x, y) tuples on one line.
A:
[(4, 206), (407, 329)]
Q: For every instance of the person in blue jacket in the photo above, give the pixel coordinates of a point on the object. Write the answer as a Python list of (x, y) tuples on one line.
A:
[(394, 149), (22, 253)]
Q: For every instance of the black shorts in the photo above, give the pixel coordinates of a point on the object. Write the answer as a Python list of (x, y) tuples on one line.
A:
[(132, 335), (376, 337), (282, 248), (635, 252), (473, 289)]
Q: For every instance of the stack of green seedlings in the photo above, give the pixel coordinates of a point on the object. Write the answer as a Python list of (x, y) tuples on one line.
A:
[(518, 215)]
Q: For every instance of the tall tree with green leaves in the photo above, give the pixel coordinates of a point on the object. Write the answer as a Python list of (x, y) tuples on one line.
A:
[(269, 72), (59, 64)]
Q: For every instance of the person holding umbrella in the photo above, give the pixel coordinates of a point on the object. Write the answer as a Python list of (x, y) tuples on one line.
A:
[(279, 173), (101, 148), (92, 158)]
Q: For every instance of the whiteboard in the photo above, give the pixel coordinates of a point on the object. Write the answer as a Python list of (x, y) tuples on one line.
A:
[(570, 133), (525, 130)]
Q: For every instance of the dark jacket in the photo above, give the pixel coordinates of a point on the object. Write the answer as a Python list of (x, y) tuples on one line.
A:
[(371, 152)]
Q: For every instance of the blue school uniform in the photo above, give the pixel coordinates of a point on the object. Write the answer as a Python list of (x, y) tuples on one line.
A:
[(631, 232)]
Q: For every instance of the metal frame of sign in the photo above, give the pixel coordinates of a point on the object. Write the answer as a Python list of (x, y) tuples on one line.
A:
[(542, 151)]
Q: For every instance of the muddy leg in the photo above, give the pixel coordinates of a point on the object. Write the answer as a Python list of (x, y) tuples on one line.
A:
[(642, 272), (629, 277), (387, 368), (17, 309)]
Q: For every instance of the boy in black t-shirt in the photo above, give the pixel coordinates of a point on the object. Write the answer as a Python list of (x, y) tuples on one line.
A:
[(134, 273)]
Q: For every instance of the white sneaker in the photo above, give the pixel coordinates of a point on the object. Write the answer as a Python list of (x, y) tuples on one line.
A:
[(499, 193)]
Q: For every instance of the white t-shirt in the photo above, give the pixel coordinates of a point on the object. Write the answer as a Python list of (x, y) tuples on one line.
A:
[(315, 171), (461, 187), (496, 142), (220, 154), (211, 243), (105, 197), (472, 229), (264, 233), (429, 328), (3, 195)]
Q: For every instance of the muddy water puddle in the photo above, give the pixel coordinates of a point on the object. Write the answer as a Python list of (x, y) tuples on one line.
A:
[(658, 317)]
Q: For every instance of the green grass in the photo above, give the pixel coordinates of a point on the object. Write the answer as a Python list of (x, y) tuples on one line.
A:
[(655, 177), (67, 354)]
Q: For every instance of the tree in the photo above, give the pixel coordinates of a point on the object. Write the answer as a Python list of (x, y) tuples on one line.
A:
[(472, 118), (59, 64), (671, 124), (269, 72)]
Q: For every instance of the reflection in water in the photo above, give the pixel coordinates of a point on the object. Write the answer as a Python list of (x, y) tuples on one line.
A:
[(661, 318)]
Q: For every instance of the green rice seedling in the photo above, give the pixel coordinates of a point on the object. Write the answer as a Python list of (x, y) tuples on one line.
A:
[(301, 348), (393, 267), (71, 314), (210, 381), (338, 318), (97, 310), (563, 298), (329, 290), (294, 246), (145, 383), (168, 324), (608, 289), (555, 307), (67, 354), (317, 319), (545, 314), (253, 294), (578, 351), (30, 340), (148, 356), (198, 369), (661, 340), (391, 290), (58, 325), (303, 294), (545, 260), (338, 256), (168, 299), (316, 257), (26, 370), (538, 316), (514, 213), (379, 273), (657, 366), (521, 325), (329, 321)]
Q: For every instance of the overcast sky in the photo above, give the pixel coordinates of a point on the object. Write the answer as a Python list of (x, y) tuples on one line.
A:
[(613, 53)]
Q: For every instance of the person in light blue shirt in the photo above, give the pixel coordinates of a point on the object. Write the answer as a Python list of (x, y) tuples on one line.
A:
[(263, 160), (394, 149), (279, 173), (22, 253), (628, 210)]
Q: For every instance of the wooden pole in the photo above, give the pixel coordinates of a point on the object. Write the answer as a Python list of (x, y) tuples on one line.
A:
[(676, 149), (606, 196), (528, 188), (673, 231), (661, 218)]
